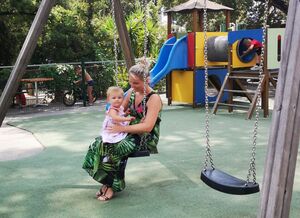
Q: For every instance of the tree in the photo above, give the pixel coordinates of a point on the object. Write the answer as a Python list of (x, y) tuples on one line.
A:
[(15, 19)]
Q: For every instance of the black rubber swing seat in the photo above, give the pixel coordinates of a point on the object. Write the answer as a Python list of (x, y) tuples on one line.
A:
[(226, 183)]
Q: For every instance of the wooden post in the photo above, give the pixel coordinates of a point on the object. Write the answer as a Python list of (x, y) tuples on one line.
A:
[(196, 22), (230, 81), (169, 88), (24, 56), (123, 34), (265, 85), (227, 22), (284, 136), (201, 28), (169, 27), (169, 76)]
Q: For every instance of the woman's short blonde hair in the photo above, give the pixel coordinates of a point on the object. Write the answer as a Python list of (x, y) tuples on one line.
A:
[(113, 89)]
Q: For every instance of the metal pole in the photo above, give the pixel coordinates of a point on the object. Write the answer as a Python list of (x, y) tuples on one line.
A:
[(24, 56), (83, 85)]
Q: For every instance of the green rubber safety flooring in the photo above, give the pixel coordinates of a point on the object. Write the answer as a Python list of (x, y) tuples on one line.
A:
[(167, 185)]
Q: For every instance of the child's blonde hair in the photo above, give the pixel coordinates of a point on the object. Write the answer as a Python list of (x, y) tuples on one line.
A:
[(112, 89)]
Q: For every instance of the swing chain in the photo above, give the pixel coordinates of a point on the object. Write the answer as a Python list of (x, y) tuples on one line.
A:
[(115, 43), (208, 156), (252, 168), (144, 5), (145, 53)]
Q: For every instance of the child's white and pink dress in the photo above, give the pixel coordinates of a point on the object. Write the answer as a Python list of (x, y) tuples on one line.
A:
[(108, 137)]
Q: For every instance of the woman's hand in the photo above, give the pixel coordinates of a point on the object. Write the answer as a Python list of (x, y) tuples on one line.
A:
[(127, 112), (115, 128), (131, 119)]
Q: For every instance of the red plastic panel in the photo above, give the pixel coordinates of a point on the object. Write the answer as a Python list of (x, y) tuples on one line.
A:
[(191, 50)]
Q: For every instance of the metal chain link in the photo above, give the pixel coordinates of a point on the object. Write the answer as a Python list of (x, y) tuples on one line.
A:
[(115, 43), (144, 5), (252, 168), (208, 156), (145, 52)]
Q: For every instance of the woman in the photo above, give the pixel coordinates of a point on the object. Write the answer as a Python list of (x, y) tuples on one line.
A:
[(106, 162)]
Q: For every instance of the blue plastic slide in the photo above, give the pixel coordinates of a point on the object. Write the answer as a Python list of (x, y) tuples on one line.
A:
[(173, 55)]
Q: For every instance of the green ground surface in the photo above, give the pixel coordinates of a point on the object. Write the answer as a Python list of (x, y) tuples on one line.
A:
[(52, 183)]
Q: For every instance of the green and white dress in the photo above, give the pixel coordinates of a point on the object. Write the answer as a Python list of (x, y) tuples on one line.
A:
[(106, 162)]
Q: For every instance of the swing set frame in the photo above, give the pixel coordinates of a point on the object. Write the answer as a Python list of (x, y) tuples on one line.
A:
[(280, 165)]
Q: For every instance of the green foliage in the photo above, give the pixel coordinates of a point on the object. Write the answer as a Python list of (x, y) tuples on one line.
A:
[(4, 75), (83, 30), (63, 76), (15, 19), (102, 75), (76, 30)]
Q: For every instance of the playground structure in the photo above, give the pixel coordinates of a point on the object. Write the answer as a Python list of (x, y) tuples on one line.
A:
[(284, 137), (183, 61)]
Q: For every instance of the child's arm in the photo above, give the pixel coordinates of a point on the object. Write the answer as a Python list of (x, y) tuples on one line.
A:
[(116, 118), (88, 77), (250, 48)]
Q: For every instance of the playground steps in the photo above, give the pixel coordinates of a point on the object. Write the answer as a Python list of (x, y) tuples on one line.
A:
[(235, 104), (239, 91), (237, 83)]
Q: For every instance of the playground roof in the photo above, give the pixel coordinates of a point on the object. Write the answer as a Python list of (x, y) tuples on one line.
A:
[(199, 5)]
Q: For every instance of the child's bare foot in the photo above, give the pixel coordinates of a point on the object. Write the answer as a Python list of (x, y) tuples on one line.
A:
[(107, 195), (101, 191)]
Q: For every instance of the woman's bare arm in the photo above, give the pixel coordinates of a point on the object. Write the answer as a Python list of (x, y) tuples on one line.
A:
[(126, 100)]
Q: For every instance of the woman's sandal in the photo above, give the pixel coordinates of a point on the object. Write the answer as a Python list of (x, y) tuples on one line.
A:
[(102, 190), (104, 197)]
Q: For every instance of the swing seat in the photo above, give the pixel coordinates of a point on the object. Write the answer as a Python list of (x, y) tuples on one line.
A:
[(141, 153), (226, 183)]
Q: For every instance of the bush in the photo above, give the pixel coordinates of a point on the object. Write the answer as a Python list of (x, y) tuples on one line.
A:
[(4, 75), (102, 76)]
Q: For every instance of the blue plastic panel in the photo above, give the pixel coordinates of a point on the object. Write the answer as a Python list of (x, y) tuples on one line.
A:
[(238, 35), (163, 56), (220, 73), (177, 59)]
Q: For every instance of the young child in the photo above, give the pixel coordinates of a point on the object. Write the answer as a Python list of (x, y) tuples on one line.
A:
[(115, 115), (254, 45), (89, 81), (20, 98)]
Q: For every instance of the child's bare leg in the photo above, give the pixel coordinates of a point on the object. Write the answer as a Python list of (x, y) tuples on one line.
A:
[(258, 59), (90, 95)]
